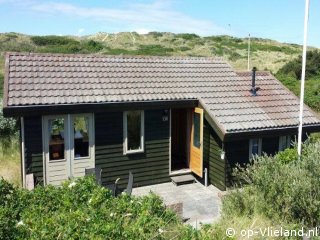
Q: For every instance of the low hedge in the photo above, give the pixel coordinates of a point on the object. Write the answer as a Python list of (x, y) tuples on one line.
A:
[(80, 210)]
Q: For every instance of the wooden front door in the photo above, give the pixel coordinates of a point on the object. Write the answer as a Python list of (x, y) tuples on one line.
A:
[(196, 162)]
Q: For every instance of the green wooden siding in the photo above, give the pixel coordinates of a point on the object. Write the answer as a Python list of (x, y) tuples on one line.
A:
[(212, 157), (149, 167), (237, 152), (33, 147)]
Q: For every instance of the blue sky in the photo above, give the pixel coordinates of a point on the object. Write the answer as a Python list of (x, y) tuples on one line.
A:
[(280, 20)]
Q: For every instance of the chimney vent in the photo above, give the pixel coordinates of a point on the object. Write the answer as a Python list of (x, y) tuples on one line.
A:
[(254, 89)]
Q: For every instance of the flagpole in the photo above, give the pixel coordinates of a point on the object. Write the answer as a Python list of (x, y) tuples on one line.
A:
[(303, 75), (248, 52)]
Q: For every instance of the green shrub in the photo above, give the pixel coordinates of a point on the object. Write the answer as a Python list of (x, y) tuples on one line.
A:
[(293, 68), (151, 49), (80, 209), (156, 34), (287, 192), (52, 40), (11, 36), (93, 46), (234, 56), (287, 156), (8, 126), (187, 36)]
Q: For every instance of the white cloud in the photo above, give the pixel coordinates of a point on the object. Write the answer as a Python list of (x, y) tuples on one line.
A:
[(156, 16), (141, 30)]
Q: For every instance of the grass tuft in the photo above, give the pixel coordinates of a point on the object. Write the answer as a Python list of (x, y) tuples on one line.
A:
[(10, 168)]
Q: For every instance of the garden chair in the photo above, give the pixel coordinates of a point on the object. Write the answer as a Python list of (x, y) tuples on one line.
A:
[(113, 187), (96, 172), (128, 190)]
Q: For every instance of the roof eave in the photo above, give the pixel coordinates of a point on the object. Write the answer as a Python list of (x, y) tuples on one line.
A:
[(269, 132), (38, 110), (214, 123)]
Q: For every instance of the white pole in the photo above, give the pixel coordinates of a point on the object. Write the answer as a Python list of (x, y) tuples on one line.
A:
[(249, 53), (303, 74)]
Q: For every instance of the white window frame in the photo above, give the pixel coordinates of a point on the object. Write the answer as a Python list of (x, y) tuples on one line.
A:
[(69, 144), (125, 134), (259, 146), (91, 135), (287, 140), (46, 136)]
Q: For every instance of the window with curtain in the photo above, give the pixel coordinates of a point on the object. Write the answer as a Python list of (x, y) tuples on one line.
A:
[(134, 131)]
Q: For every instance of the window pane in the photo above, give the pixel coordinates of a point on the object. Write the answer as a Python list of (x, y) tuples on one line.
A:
[(81, 137), (255, 146), (56, 139), (134, 130), (284, 142), (196, 130)]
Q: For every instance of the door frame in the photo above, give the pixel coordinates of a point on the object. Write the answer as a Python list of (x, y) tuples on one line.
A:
[(69, 145), (187, 142)]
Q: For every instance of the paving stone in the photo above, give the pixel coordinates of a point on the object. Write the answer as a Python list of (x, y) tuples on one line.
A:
[(200, 204)]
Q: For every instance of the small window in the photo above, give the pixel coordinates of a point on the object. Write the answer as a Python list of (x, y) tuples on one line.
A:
[(284, 142), (255, 147), (133, 131), (196, 130), (81, 136), (56, 139)]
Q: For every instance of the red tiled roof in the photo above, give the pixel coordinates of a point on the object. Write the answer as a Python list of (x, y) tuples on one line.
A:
[(55, 79)]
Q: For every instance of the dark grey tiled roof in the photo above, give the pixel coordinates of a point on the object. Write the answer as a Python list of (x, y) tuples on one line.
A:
[(53, 79)]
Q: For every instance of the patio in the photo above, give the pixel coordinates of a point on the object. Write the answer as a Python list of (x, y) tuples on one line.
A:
[(200, 204)]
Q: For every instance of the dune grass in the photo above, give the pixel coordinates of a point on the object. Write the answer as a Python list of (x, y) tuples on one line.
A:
[(10, 168)]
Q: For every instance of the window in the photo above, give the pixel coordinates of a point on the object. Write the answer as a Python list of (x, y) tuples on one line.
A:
[(284, 142), (133, 131), (56, 139), (255, 147), (196, 130), (81, 136)]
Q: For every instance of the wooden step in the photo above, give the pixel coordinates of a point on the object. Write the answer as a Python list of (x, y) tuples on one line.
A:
[(183, 179)]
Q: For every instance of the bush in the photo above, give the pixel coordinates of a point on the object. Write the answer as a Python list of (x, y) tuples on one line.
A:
[(294, 67), (8, 126), (287, 156), (280, 188), (187, 36), (52, 40), (80, 210), (157, 50), (156, 34), (93, 46)]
